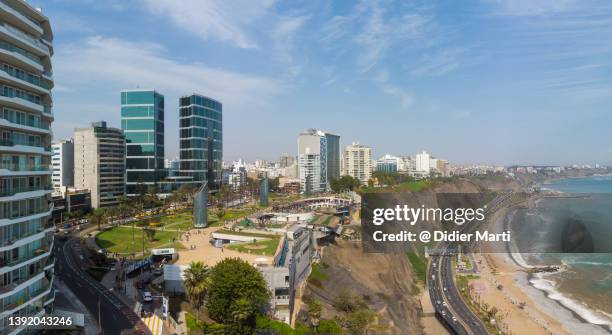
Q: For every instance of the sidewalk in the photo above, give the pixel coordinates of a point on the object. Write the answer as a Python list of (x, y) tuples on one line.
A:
[(91, 325)]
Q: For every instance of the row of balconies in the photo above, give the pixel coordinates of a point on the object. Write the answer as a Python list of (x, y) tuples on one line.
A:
[(46, 285), (28, 122), (24, 167), (20, 189), (44, 248), (11, 239), (36, 144)]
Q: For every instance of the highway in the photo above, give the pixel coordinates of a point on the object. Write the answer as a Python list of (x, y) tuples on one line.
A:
[(114, 316), (445, 297)]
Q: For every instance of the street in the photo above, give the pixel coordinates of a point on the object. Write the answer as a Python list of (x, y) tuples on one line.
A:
[(114, 316)]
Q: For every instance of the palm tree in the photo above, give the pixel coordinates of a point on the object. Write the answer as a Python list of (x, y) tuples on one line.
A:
[(197, 281), (97, 217)]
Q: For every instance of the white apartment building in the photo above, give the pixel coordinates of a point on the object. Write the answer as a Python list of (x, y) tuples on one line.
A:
[(318, 160), (99, 163), (62, 164), (26, 231), (357, 162), (422, 162)]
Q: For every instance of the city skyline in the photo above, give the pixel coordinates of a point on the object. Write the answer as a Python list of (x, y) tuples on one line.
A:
[(484, 82)]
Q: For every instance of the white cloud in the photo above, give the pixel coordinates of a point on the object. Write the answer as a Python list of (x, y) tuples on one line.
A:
[(226, 21), (123, 64), (283, 38)]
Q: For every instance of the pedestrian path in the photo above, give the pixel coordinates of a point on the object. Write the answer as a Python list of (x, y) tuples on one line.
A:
[(154, 323)]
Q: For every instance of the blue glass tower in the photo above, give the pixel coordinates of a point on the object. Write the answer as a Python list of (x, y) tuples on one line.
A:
[(142, 121), (201, 139)]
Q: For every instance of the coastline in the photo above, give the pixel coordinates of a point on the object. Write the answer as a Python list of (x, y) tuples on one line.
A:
[(572, 315)]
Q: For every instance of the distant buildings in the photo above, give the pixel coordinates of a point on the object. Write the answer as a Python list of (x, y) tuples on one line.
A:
[(62, 163), (388, 163), (286, 160), (201, 139), (318, 160), (99, 163), (422, 162), (357, 162), (142, 121), (26, 237)]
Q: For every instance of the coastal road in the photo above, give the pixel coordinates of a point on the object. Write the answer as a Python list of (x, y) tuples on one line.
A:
[(444, 294), (114, 315)]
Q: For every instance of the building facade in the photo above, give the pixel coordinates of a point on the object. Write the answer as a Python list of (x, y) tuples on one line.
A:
[(357, 162), (423, 162), (318, 160), (99, 163), (201, 139), (26, 231), (142, 121), (388, 163), (62, 164)]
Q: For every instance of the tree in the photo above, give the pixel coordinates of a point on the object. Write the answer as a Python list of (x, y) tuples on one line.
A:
[(347, 301), (314, 311), (345, 183), (329, 327), (97, 217), (233, 280), (197, 281), (150, 232)]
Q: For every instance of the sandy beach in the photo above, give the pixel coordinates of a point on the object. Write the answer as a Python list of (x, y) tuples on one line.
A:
[(523, 308)]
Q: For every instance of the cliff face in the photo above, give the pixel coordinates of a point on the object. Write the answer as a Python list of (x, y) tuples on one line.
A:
[(387, 282)]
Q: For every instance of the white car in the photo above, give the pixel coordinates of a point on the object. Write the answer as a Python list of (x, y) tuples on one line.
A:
[(146, 296)]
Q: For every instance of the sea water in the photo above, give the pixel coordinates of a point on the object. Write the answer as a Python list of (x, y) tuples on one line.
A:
[(584, 285)]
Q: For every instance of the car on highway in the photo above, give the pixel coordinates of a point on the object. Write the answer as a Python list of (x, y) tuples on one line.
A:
[(147, 296)]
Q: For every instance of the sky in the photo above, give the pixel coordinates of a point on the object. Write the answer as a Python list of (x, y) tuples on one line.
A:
[(487, 81)]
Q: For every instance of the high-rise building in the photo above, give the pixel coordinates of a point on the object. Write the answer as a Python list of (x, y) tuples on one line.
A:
[(26, 232), (357, 161), (99, 163), (142, 121), (62, 164), (333, 157), (201, 139), (423, 162), (286, 160), (318, 160)]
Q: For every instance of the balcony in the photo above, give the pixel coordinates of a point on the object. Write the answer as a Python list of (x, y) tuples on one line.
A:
[(25, 20), (28, 78), (28, 122), (24, 55), (19, 167), (30, 40), (39, 148), (29, 212), (14, 190)]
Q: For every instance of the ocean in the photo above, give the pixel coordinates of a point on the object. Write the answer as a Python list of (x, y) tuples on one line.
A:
[(584, 285)]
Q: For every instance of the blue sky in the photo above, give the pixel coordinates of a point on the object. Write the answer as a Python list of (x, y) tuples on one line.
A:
[(500, 81)]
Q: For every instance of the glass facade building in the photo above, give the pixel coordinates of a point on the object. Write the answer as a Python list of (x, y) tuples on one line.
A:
[(142, 121), (26, 229), (201, 139)]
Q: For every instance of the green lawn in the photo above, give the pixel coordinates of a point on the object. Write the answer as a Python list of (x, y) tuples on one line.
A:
[(317, 274), (240, 233), (265, 247), (119, 240), (179, 221)]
